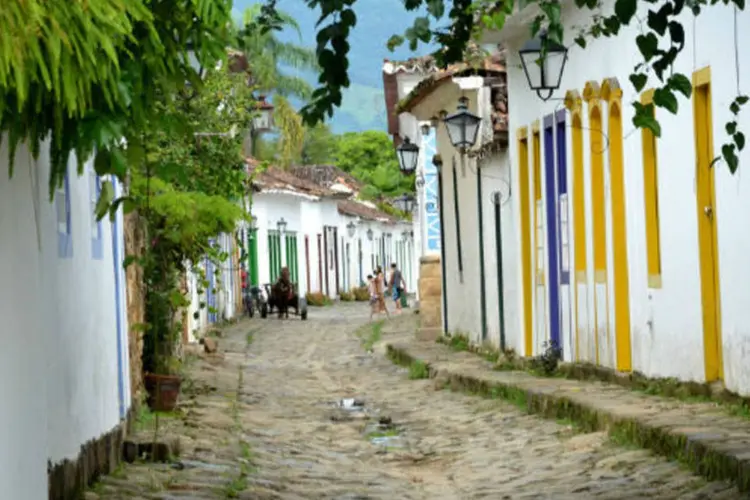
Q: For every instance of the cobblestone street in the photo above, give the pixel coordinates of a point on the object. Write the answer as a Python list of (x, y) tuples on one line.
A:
[(295, 414)]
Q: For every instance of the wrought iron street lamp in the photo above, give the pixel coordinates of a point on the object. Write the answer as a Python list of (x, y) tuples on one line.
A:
[(281, 225), (370, 234), (405, 203), (351, 228), (543, 62), (263, 119), (462, 126), (408, 154)]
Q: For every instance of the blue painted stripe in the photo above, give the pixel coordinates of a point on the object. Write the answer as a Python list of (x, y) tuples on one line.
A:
[(552, 246), (118, 305)]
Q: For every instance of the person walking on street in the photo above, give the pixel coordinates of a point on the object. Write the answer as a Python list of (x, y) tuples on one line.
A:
[(380, 289), (398, 286), (372, 290)]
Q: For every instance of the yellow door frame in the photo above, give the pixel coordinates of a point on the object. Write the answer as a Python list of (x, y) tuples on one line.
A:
[(707, 235), (522, 138)]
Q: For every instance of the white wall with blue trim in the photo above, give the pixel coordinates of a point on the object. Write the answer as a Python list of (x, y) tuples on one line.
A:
[(64, 373)]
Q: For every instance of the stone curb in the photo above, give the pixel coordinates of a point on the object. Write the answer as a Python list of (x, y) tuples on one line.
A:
[(713, 455)]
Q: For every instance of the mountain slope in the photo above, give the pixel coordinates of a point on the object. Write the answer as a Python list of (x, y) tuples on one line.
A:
[(363, 106)]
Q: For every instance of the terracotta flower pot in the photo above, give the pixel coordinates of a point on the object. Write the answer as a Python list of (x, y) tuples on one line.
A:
[(163, 391)]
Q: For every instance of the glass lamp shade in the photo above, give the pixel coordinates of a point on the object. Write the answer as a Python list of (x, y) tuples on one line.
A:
[(408, 155), (543, 71), (404, 203), (263, 119), (462, 126), (281, 224), (351, 228), (370, 234)]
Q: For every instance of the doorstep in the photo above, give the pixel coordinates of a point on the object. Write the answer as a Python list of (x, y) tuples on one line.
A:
[(712, 442)]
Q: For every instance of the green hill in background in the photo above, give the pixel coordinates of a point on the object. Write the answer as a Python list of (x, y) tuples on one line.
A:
[(363, 106)]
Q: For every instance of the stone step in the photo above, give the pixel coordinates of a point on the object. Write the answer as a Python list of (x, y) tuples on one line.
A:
[(712, 442)]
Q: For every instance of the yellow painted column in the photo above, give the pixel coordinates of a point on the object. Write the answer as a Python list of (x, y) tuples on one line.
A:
[(612, 93), (573, 103), (592, 95)]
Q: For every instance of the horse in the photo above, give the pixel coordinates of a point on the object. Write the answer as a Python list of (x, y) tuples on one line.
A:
[(283, 296)]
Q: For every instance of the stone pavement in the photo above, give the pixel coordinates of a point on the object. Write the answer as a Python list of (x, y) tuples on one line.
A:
[(702, 435), (307, 411)]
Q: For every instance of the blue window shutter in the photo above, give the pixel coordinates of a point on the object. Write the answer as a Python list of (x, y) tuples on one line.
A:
[(97, 244), (64, 229)]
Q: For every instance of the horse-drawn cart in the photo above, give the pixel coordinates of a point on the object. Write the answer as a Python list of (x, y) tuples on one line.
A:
[(282, 300)]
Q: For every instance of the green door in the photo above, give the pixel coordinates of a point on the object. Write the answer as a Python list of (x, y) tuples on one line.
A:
[(274, 255), (291, 256), (252, 246)]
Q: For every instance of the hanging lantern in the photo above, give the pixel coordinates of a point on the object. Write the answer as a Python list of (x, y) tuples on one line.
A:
[(543, 68), (463, 126), (408, 155)]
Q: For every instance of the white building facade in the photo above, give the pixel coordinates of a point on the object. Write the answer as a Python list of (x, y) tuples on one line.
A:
[(474, 204), (400, 79), (632, 255), (64, 366)]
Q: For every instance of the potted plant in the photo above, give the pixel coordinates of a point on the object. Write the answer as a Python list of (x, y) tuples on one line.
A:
[(161, 364)]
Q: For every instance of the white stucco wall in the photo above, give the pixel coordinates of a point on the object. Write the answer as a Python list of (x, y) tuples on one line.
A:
[(496, 177), (59, 362), (666, 323)]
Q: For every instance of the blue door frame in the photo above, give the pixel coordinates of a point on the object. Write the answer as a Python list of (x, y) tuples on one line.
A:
[(551, 201), (117, 262), (562, 187)]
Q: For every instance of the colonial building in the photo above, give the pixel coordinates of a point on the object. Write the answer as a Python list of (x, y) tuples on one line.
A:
[(478, 257), (633, 253)]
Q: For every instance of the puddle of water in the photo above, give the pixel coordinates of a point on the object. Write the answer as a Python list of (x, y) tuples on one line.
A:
[(195, 464), (388, 441), (352, 404)]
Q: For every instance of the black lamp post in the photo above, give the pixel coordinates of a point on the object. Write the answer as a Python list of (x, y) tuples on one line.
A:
[(543, 62), (408, 155)]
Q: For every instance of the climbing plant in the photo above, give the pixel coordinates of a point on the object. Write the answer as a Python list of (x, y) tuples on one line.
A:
[(660, 41), (83, 74), (189, 182)]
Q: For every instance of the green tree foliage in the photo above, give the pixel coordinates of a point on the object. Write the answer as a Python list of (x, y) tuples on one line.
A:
[(266, 55), (319, 145), (660, 40), (370, 158), (87, 73), (188, 182)]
